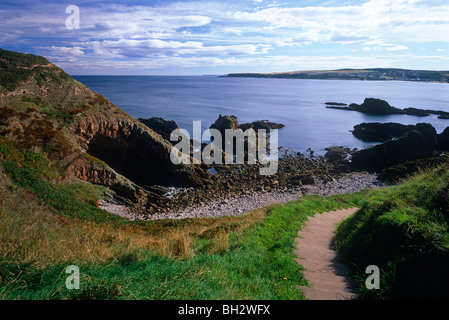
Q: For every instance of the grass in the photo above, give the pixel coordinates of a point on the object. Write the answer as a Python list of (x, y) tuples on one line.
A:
[(46, 226), (247, 257), (404, 231)]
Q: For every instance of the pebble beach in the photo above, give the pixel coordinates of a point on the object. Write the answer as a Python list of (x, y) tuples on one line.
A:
[(238, 205)]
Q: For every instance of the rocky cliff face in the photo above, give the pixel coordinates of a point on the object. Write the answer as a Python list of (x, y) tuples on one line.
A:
[(45, 109)]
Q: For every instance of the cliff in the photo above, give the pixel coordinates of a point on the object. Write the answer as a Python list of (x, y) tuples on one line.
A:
[(44, 109)]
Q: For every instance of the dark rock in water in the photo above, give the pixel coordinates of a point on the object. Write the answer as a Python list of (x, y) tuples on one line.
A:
[(377, 106), (225, 122), (370, 106), (335, 104), (381, 132), (261, 124), (416, 112), (161, 126), (382, 107), (411, 146), (231, 122)]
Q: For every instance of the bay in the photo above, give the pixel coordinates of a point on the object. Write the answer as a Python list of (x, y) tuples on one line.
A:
[(298, 104)]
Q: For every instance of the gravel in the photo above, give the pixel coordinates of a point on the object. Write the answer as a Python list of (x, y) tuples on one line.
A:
[(234, 206)]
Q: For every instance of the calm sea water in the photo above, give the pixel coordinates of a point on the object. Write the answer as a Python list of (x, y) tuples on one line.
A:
[(299, 104)]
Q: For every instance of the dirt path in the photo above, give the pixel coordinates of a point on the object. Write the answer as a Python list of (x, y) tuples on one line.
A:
[(327, 277)]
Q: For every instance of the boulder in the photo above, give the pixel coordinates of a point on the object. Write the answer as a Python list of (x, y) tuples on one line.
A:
[(381, 132), (337, 154), (411, 146)]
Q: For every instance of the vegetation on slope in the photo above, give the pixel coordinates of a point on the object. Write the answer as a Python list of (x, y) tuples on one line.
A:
[(46, 226), (404, 231)]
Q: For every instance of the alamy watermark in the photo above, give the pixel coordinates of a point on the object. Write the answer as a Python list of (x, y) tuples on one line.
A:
[(73, 20), (235, 153), (72, 281), (373, 281)]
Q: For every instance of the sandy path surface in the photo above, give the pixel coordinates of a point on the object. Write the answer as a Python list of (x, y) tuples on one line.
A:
[(327, 277)]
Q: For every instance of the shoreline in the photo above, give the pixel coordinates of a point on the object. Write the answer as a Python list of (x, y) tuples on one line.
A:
[(244, 203)]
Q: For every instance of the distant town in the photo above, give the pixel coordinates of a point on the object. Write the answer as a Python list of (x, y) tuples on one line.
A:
[(356, 74)]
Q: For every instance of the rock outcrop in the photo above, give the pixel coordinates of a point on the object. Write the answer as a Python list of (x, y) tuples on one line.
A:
[(160, 126), (443, 140), (380, 132), (369, 106), (411, 146), (382, 107), (45, 109), (231, 122), (132, 150)]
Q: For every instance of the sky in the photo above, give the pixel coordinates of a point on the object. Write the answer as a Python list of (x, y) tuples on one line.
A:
[(158, 37)]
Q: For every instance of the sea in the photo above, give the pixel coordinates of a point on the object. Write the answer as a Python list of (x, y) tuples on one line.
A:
[(298, 104)]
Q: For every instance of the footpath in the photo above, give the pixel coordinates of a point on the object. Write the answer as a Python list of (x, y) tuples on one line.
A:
[(327, 277)]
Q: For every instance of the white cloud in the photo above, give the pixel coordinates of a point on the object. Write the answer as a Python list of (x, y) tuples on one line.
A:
[(397, 48), (203, 33), (62, 51)]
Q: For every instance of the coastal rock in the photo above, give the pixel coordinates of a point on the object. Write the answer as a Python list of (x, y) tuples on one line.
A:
[(335, 104), (231, 122), (303, 179), (382, 107), (443, 140), (411, 146), (92, 170), (377, 106), (225, 122), (50, 112), (416, 112), (132, 150), (160, 126), (337, 154), (261, 124), (380, 132)]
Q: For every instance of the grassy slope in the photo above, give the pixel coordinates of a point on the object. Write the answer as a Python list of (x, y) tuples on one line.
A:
[(404, 231), (46, 226)]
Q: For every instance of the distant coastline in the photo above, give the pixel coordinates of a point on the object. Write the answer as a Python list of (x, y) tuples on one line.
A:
[(375, 74)]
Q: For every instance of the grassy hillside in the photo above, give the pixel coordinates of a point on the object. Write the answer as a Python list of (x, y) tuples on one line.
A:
[(355, 74), (46, 226), (404, 231)]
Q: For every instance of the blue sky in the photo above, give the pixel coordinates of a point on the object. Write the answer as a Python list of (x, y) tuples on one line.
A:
[(219, 37)]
